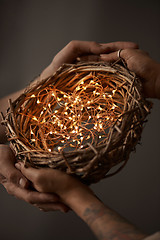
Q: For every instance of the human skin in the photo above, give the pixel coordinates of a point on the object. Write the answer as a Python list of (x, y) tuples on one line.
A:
[(74, 194), (12, 179), (103, 221)]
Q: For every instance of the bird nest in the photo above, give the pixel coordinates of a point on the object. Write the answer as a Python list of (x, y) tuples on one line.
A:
[(84, 120)]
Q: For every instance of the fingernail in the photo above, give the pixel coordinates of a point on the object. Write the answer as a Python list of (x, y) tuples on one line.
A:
[(102, 55), (22, 182), (18, 165)]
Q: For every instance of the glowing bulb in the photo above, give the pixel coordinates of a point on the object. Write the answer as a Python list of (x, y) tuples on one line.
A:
[(33, 96), (49, 150), (38, 102), (34, 118), (44, 120), (59, 149), (78, 88), (100, 108)]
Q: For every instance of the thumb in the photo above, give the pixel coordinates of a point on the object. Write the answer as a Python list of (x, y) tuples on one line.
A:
[(8, 172), (29, 172), (16, 177)]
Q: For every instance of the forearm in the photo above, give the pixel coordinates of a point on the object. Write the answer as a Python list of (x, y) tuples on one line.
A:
[(104, 222), (3, 108)]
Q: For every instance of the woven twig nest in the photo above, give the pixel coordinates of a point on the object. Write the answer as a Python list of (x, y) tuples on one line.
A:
[(84, 120)]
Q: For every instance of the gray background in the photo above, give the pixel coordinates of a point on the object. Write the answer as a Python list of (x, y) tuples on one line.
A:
[(31, 33)]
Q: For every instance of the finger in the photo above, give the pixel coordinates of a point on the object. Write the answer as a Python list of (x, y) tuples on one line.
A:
[(29, 172), (115, 46), (111, 57), (7, 168), (76, 49), (89, 58), (46, 207), (2, 179), (30, 196)]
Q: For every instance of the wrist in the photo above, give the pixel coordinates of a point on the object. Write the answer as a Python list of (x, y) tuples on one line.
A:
[(79, 198)]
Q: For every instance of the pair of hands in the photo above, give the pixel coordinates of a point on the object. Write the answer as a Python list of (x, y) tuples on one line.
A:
[(51, 196)]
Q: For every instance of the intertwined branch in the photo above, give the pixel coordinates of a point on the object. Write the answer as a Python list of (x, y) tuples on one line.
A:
[(85, 119)]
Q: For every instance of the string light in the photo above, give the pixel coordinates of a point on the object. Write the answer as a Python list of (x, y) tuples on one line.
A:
[(71, 119)]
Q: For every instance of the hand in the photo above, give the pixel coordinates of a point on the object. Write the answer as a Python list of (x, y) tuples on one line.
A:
[(11, 178), (102, 220), (84, 49), (50, 180), (17, 184), (139, 62)]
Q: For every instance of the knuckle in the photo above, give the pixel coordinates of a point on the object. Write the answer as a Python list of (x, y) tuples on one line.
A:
[(29, 198), (94, 43), (128, 52), (9, 189), (12, 177), (135, 45), (73, 44)]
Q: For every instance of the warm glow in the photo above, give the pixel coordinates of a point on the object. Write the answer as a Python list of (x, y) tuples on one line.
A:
[(71, 119)]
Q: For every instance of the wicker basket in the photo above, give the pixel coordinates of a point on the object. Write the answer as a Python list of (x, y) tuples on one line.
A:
[(84, 120)]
